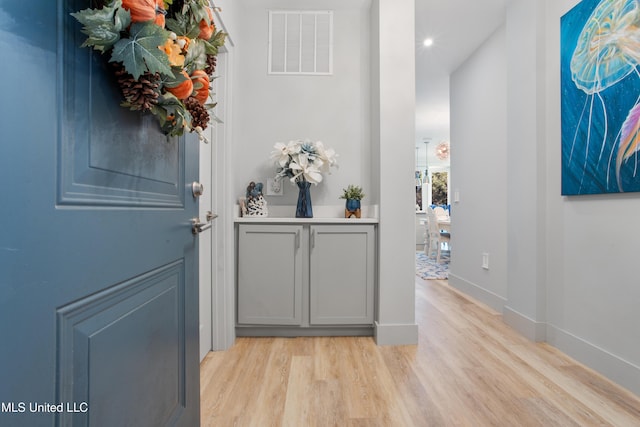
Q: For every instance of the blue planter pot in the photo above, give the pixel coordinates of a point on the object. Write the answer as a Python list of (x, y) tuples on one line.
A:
[(303, 208), (352, 208), (353, 204)]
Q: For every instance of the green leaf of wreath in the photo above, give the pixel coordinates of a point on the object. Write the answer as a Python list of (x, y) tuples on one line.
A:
[(103, 26), (196, 58), (212, 45), (175, 78), (218, 38), (199, 12), (173, 116), (140, 53), (183, 25)]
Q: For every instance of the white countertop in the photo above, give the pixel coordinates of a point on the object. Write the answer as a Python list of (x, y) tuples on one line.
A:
[(321, 215), (314, 220)]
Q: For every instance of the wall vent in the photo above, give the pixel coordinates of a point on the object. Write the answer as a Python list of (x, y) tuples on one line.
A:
[(301, 42)]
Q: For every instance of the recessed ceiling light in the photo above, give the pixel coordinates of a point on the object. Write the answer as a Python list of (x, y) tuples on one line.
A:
[(428, 42)]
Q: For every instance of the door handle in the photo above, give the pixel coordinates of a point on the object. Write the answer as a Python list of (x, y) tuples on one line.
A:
[(198, 227)]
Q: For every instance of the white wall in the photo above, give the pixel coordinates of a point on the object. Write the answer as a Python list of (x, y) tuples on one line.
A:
[(526, 208), (570, 276), (394, 86), (275, 108), (223, 292), (593, 290), (228, 13), (479, 172)]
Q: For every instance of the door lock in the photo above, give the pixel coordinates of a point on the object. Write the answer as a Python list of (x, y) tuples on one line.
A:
[(197, 189)]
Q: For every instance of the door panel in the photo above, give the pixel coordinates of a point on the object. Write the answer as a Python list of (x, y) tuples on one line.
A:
[(99, 164), (98, 266), (146, 314)]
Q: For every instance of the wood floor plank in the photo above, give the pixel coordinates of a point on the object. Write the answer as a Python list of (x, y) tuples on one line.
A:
[(388, 403), (273, 386), (327, 357), (327, 403), (621, 401), (298, 394), (357, 381), (234, 393), (468, 369), (450, 392), (424, 406), (538, 412), (592, 398)]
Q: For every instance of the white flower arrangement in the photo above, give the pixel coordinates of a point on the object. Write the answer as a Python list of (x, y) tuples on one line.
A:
[(303, 160)]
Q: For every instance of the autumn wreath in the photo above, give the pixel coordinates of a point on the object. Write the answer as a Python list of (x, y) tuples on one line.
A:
[(163, 54)]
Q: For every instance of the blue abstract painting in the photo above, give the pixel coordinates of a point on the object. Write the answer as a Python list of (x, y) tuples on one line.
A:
[(600, 83)]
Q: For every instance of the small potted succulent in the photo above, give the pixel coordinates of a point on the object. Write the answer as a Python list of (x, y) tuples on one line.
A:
[(352, 194)]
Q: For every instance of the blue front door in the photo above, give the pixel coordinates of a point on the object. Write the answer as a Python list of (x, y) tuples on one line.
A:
[(98, 265)]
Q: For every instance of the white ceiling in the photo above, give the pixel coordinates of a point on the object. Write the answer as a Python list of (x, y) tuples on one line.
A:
[(458, 28)]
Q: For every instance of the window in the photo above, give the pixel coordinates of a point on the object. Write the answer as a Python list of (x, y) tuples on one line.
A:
[(440, 188)]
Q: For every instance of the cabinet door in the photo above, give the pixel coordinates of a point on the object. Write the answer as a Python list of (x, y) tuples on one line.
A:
[(269, 274), (342, 274)]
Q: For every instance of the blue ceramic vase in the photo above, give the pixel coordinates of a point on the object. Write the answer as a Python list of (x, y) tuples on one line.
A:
[(303, 208)]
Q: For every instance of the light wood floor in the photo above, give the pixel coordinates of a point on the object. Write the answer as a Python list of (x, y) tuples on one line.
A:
[(469, 369)]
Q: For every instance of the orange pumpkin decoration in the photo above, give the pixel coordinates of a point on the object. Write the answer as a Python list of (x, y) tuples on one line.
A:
[(207, 28), (184, 89), (145, 10), (202, 93), (140, 10), (160, 12)]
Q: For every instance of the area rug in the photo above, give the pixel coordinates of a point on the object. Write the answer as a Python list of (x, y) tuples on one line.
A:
[(428, 269)]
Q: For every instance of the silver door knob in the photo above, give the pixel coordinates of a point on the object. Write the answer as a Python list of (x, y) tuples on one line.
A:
[(197, 189)]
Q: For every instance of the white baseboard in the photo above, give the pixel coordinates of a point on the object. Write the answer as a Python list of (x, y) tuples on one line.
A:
[(494, 301), (531, 329), (611, 366), (396, 334)]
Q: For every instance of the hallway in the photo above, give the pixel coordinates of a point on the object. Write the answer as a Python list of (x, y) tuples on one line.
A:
[(469, 369)]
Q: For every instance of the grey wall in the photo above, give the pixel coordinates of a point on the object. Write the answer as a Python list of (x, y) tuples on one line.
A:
[(568, 263), (479, 172), (365, 111), (277, 108)]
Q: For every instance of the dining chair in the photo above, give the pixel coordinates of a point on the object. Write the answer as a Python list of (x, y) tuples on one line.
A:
[(444, 237), (431, 234), (436, 237)]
